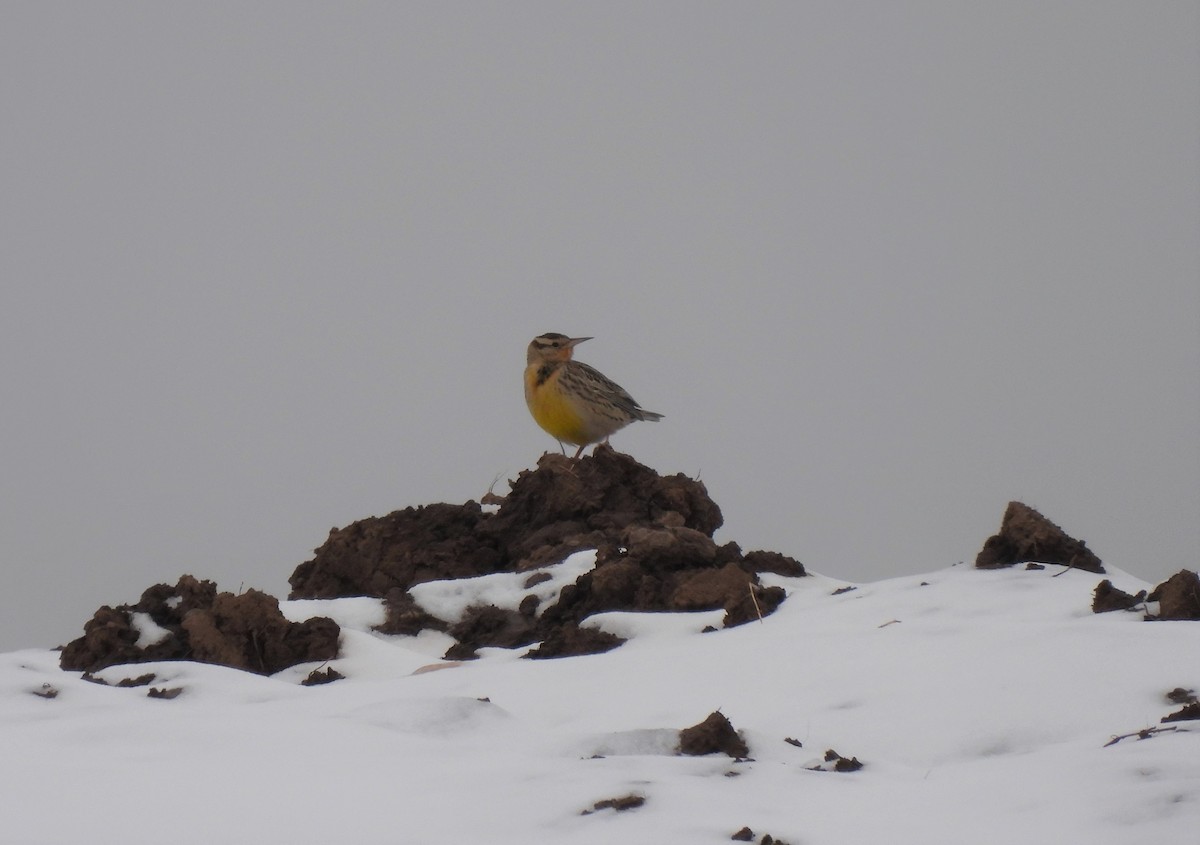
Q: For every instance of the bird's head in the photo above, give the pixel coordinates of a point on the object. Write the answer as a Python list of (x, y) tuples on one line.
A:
[(552, 347)]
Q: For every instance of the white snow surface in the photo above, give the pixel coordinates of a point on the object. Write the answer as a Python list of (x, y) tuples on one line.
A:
[(979, 703)]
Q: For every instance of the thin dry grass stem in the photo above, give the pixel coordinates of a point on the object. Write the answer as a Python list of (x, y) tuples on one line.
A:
[(754, 599)]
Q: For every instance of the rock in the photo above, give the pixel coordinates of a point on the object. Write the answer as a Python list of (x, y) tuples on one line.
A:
[(1026, 535), (1178, 597)]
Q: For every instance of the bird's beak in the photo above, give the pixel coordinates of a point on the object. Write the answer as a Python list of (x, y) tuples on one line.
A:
[(575, 341)]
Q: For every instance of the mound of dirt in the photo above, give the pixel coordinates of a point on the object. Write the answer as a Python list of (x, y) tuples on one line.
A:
[(192, 621), (655, 552), (1178, 597), (715, 735), (652, 533), (1025, 535), (1107, 597)]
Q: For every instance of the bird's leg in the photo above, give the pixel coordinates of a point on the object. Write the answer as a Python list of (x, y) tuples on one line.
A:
[(578, 452)]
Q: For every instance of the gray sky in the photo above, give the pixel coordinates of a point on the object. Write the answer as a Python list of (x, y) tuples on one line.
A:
[(268, 268)]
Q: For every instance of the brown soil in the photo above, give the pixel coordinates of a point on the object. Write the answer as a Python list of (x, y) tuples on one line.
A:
[(712, 736), (1178, 597), (1026, 535), (655, 552), (244, 631), (653, 536), (1107, 598)]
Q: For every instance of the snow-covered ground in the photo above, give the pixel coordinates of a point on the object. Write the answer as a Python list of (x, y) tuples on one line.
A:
[(979, 702)]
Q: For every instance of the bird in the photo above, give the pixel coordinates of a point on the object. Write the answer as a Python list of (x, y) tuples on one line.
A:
[(572, 402)]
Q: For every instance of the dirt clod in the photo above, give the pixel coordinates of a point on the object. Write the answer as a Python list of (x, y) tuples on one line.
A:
[(1188, 712), (714, 735), (625, 802), (1178, 597), (244, 631), (1107, 598), (571, 640), (317, 677), (834, 762), (1026, 535), (1179, 695)]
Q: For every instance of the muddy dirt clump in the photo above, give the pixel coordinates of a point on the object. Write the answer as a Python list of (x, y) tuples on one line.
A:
[(1107, 598), (653, 537), (715, 735), (654, 552), (1025, 535), (192, 621), (1178, 597)]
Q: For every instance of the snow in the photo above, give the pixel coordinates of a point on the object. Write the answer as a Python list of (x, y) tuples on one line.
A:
[(149, 632), (979, 703), (447, 600)]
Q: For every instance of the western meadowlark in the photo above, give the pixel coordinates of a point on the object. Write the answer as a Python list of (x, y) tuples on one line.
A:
[(573, 402)]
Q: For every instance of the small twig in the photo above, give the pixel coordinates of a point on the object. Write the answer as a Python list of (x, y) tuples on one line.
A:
[(1144, 733), (262, 664), (490, 498), (754, 599), (885, 624)]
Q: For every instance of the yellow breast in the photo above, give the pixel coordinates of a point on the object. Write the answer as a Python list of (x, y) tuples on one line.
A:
[(552, 409)]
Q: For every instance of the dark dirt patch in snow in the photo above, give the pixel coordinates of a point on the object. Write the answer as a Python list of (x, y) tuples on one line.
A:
[(834, 762), (317, 677), (625, 802), (571, 640)]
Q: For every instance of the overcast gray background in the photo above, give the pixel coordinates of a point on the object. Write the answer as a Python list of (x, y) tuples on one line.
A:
[(268, 268)]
